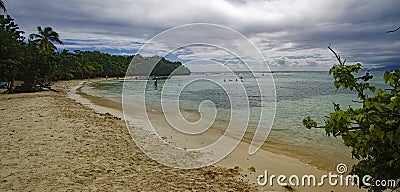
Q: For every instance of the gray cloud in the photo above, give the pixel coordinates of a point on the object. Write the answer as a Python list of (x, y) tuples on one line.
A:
[(291, 34)]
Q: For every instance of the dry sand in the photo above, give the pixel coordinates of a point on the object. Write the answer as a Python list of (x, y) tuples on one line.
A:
[(49, 142)]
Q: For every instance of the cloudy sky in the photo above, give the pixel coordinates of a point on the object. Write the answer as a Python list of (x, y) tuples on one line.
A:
[(290, 34)]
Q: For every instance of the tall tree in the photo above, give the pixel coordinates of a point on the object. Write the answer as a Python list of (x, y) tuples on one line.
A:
[(11, 50), (3, 6), (45, 38)]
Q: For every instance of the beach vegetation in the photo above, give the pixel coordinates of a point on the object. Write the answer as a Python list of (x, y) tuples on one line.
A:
[(11, 50), (45, 39), (37, 62), (373, 130), (156, 66)]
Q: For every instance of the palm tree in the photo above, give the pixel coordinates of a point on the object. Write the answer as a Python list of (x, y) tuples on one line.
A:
[(3, 6), (45, 38)]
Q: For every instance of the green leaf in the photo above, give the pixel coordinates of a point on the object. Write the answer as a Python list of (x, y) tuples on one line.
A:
[(371, 128), (373, 89), (378, 106), (336, 84), (389, 135), (309, 123), (396, 138), (358, 139), (390, 106), (379, 133)]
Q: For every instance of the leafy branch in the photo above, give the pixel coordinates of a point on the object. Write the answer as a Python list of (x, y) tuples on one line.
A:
[(373, 130)]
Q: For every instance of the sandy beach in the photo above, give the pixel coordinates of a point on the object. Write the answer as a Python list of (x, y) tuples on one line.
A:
[(52, 143), (65, 141)]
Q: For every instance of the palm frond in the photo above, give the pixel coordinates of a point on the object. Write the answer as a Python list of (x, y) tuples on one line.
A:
[(34, 36), (45, 37)]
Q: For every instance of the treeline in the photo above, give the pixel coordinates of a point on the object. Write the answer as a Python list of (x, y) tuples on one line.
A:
[(142, 66), (36, 61)]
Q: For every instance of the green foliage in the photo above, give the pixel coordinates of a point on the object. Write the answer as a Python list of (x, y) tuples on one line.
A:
[(44, 39), (166, 68), (309, 123), (11, 44), (37, 62), (372, 131), (156, 66)]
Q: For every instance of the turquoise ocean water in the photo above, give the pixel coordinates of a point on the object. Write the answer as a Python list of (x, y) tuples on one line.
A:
[(298, 94)]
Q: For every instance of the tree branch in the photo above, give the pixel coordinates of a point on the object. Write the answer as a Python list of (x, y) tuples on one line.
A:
[(392, 31), (319, 127), (336, 55)]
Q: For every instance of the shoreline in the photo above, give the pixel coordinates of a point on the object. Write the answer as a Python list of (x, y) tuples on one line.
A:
[(50, 142), (325, 157), (250, 166)]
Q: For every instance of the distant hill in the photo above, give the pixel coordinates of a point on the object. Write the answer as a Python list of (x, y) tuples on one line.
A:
[(141, 66)]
